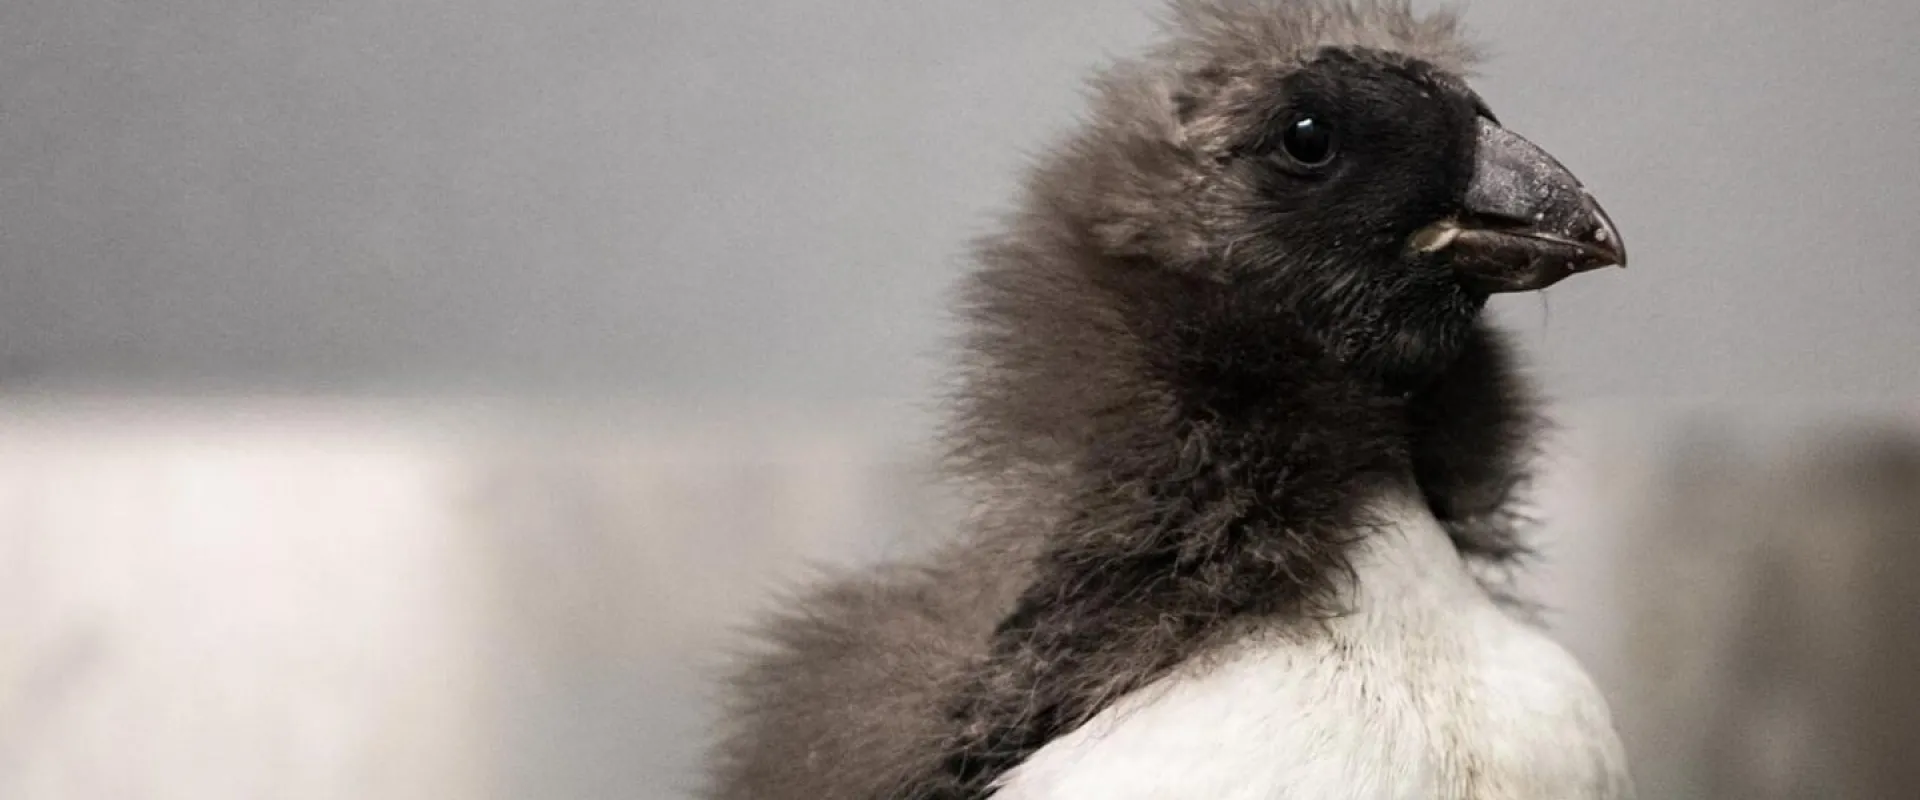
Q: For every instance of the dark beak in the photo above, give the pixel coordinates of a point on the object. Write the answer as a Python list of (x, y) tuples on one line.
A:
[(1526, 224)]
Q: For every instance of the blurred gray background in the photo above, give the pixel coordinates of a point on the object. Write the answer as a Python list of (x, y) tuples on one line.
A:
[(764, 201), (568, 328)]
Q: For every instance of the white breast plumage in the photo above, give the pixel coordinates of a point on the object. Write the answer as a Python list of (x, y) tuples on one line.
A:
[(1426, 690)]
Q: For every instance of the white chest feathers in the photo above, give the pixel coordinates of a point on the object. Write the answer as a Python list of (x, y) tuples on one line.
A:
[(1426, 690)]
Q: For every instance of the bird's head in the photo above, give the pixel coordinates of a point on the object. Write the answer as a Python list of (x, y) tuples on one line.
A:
[(1325, 166)]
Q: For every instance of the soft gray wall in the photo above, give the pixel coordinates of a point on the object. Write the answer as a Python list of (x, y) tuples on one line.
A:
[(693, 201)]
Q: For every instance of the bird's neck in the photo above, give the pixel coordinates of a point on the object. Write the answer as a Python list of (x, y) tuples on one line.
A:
[(1109, 371), (1159, 490), (1164, 469)]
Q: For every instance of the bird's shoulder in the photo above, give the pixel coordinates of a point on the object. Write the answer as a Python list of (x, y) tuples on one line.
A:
[(1424, 688), (859, 669)]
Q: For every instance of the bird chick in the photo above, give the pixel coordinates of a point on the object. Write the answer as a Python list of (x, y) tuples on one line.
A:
[(1243, 448)]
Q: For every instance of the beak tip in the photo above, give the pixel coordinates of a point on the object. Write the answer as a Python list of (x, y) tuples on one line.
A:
[(1606, 237)]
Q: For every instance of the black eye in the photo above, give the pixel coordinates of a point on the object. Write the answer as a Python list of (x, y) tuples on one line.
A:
[(1308, 141)]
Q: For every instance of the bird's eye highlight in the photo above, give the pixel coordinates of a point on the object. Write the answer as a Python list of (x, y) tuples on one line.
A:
[(1308, 141)]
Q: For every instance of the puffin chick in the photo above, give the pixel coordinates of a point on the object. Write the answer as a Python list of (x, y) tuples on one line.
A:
[(1245, 454)]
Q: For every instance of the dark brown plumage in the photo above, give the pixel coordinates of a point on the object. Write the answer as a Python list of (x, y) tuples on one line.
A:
[(1185, 369)]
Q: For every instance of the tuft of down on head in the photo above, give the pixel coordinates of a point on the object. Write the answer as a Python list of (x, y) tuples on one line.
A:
[(1152, 172)]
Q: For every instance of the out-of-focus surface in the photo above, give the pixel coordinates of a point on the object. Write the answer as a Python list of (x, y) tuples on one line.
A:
[(403, 400), (399, 600), (1747, 596), (250, 605), (277, 598)]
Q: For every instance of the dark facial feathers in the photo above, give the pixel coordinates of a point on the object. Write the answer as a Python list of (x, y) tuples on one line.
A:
[(1190, 359)]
